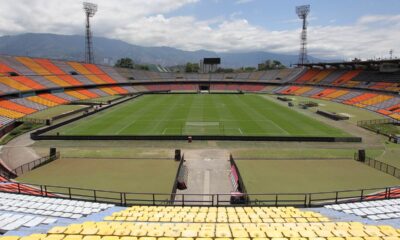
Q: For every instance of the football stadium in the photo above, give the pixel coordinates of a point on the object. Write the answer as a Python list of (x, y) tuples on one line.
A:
[(99, 151)]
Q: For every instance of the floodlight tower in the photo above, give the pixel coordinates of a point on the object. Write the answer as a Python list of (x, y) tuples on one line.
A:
[(90, 11), (302, 12)]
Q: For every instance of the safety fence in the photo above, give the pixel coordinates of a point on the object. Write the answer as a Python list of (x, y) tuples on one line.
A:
[(27, 167), (381, 166), (272, 199)]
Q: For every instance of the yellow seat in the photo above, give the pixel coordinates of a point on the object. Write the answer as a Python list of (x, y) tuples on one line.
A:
[(110, 238), (34, 237), (105, 231), (183, 238), (122, 232), (307, 234), (274, 234), (91, 238), (240, 234), (257, 234), (55, 237), (89, 231), (223, 234), (57, 230), (155, 233), (73, 230), (9, 238), (73, 237)]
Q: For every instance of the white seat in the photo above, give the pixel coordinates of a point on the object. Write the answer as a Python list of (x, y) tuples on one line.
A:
[(50, 221), (34, 222), (374, 217)]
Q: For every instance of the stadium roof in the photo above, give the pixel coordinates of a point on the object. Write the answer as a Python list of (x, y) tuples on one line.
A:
[(366, 63)]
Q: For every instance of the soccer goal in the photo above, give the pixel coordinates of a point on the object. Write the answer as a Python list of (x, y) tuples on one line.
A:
[(203, 128)]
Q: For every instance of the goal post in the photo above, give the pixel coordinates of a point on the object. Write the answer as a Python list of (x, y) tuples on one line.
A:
[(203, 128)]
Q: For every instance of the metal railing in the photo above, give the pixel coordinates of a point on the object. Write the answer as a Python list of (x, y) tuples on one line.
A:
[(381, 166), (274, 199), (34, 164), (377, 121)]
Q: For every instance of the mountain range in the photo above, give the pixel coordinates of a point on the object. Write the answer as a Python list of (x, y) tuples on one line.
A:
[(107, 51)]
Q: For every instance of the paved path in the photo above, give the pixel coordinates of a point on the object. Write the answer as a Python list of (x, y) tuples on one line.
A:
[(17, 152), (208, 173)]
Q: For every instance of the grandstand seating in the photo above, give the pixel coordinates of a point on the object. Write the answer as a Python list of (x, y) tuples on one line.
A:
[(20, 210), (379, 102), (375, 210), (238, 231), (55, 207), (215, 215), (10, 221), (16, 107), (20, 74), (281, 224)]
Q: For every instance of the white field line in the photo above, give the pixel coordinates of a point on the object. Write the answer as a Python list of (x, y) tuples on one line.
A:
[(127, 125)]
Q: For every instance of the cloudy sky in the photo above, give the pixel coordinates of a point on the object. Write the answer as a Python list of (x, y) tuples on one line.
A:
[(339, 29)]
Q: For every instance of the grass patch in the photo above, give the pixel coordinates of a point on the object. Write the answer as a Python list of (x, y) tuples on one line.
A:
[(120, 175), (55, 111), (384, 128), (109, 152), (300, 153), (302, 176), (103, 100), (21, 129), (356, 114), (196, 114)]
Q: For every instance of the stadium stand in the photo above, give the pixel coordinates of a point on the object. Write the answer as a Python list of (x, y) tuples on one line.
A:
[(10, 221), (30, 210), (55, 207), (374, 210), (215, 215), (280, 224)]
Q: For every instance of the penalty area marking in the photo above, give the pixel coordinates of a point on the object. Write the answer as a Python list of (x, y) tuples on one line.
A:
[(166, 130)]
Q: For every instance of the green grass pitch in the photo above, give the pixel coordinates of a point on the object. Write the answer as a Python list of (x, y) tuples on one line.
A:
[(119, 175), (200, 114), (305, 176)]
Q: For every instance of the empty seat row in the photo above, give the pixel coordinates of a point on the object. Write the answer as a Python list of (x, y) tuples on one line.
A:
[(210, 214), (56, 207), (26, 74), (10, 221), (381, 103), (375, 210), (220, 230)]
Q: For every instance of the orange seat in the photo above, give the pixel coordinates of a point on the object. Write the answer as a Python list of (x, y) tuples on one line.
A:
[(16, 107)]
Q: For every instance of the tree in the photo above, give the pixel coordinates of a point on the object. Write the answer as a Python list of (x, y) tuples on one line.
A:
[(144, 67), (270, 64), (125, 63), (192, 67), (249, 69)]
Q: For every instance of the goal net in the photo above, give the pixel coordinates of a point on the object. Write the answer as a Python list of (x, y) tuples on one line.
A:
[(203, 128)]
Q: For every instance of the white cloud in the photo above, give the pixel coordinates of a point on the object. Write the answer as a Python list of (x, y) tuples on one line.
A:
[(146, 23)]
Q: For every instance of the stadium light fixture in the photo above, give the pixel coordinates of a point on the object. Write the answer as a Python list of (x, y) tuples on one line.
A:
[(302, 12), (90, 10)]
